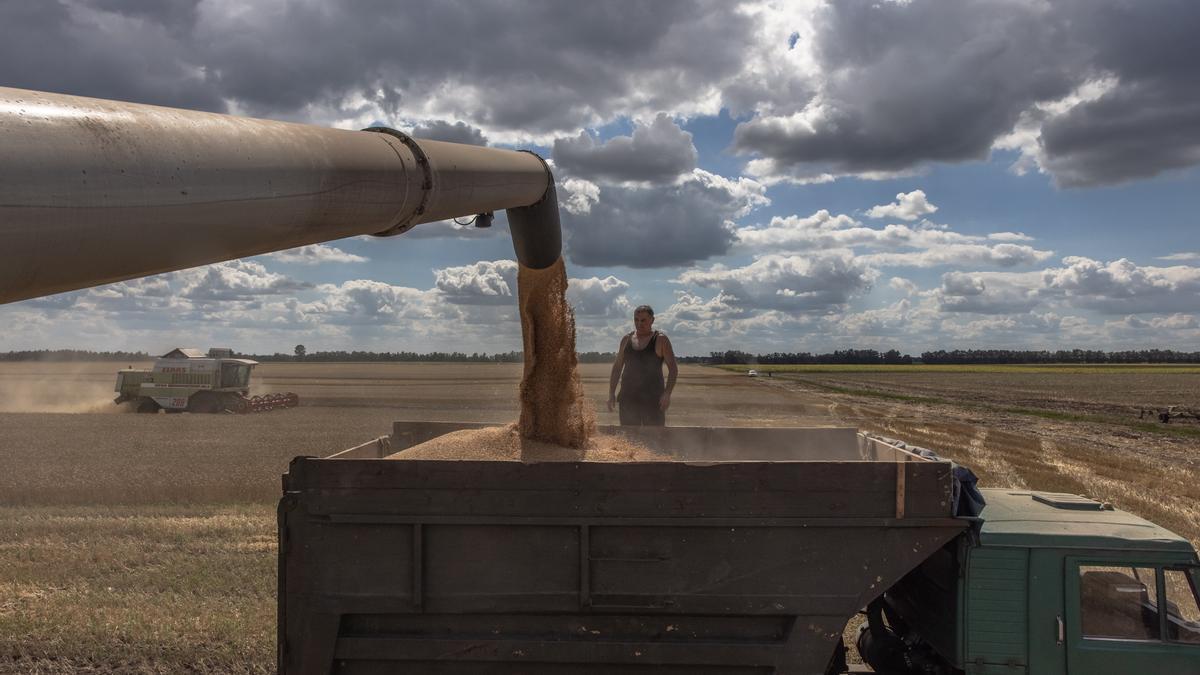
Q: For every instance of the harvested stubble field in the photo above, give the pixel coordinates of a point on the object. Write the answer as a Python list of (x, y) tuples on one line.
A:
[(146, 543), (1062, 428), (1115, 393)]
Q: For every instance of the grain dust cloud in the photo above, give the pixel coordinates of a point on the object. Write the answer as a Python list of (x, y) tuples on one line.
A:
[(35, 387)]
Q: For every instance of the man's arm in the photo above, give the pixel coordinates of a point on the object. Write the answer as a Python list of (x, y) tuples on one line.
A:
[(668, 355), (615, 376)]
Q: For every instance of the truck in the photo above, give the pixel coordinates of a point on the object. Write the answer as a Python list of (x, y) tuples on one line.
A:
[(746, 550), (189, 380)]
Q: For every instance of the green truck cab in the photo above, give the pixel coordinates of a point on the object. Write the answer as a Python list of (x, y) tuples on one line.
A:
[(1049, 583)]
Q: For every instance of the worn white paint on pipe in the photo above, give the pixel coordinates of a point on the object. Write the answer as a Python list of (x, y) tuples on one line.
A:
[(95, 191)]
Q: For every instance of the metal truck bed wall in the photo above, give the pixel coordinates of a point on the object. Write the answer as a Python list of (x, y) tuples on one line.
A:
[(709, 565)]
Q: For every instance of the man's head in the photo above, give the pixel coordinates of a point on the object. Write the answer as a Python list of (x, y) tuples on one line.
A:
[(643, 319)]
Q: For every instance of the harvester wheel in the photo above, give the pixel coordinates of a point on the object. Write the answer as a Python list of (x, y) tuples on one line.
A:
[(146, 405), (234, 403)]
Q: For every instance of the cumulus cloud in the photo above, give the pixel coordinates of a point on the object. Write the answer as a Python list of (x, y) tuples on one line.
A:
[(820, 230), (457, 132), (908, 206), (854, 87), (482, 283), (934, 245), (998, 255), (661, 226), (689, 306), (1181, 257), (788, 283), (899, 85), (1115, 287), (365, 301), (242, 303), (235, 280), (84, 49), (315, 254), (519, 70), (962, 284), (1148, 122), (1028, 329), (906, 83), (494, 282), (658, 152), (1009, 236), (984, 293), (577, 196), (700, 324), (888, 322), (596, 297), (1156, 326), (1121, 286), (905, 286)]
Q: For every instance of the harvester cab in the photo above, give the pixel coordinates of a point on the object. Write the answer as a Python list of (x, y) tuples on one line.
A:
[(188, 380)]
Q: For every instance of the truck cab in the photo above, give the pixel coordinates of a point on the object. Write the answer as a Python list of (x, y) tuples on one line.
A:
[(1055, 583)]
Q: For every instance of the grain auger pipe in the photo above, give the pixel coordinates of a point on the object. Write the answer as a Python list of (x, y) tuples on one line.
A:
[(95, 191)]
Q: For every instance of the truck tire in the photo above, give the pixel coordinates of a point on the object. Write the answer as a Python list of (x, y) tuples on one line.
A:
[(146, 405)]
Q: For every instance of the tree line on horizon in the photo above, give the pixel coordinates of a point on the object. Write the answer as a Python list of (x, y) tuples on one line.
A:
[(957, 357), (72, 355), (994, 356), (846, 357)]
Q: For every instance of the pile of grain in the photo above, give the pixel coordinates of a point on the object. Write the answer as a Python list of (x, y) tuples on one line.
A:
[(506, 443), (553, 407)]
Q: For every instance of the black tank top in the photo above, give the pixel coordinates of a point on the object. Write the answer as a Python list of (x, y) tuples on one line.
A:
[(642, 375)]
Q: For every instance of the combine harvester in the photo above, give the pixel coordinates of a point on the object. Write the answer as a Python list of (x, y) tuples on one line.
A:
[(746, 554), (188, 380)]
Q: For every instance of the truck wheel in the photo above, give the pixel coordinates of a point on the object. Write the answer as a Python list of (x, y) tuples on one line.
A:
[(146, 405)]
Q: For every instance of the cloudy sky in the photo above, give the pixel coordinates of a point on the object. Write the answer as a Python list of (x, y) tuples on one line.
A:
[(799, 176)]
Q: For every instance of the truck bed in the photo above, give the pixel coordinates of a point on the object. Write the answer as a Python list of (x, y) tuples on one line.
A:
[(746, 554)]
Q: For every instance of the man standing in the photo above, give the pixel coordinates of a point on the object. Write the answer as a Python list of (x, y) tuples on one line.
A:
[(644, 399)]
